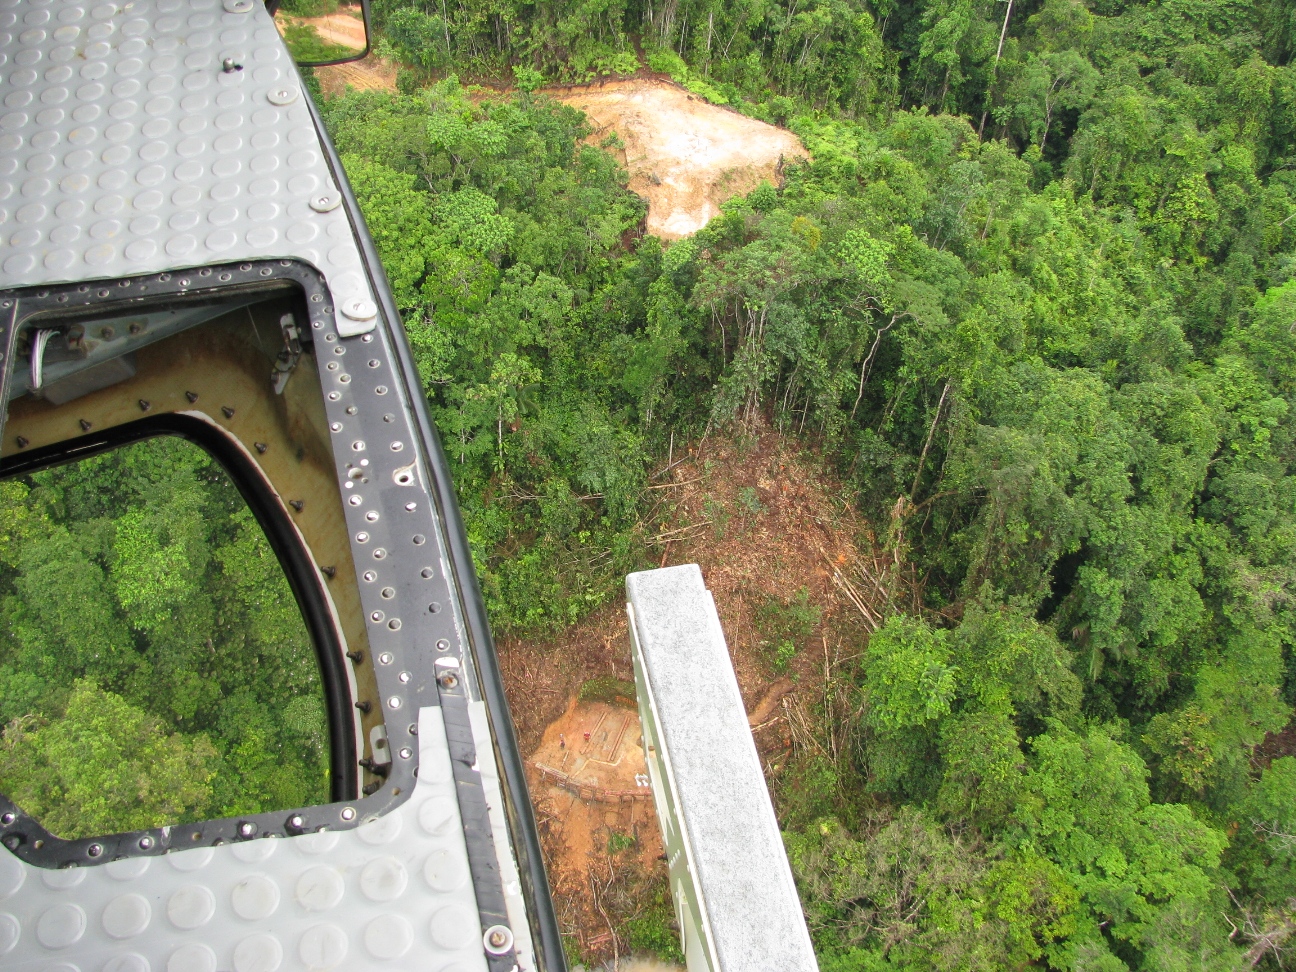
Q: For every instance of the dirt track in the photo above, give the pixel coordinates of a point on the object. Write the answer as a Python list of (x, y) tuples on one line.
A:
[(684, 155)]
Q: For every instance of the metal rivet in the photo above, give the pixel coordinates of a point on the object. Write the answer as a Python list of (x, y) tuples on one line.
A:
[(394, 624), (247, 829), (443, 645), (397, 446), (94, 850), (370, 576), (362, 537), (296, 822), (145, 843), (394, 702), (358, 445), (348, 813), (380, 553), (411, 507), (355, 500), (434, 607), (380, 390), (7, 819), (389, 592), (406, 752), (385, 658), (333, 396), (419, 539), (404, 676), (373, 362), (376, 616), (336, 426), (372, 516), (426, 573)]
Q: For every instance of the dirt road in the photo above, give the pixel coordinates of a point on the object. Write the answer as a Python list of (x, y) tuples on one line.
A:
[(684, 155)]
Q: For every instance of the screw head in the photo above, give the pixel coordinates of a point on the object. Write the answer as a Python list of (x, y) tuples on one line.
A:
[(7, 819), (325, 202), (498, 939), (247, 829), (283, 96), (359, 309), (146, 843)]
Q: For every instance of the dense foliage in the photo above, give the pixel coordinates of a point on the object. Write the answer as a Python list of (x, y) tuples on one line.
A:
[(154, 666), (1036, 298)]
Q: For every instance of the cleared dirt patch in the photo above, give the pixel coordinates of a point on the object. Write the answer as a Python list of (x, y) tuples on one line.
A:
[(684, 155), (764, 519)]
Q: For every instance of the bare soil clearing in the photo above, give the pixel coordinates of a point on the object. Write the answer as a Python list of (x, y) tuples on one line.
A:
[(684, 155), (763, 519)]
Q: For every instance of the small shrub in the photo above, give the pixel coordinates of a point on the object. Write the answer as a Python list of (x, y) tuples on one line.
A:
[(654, 932), (784, 625)]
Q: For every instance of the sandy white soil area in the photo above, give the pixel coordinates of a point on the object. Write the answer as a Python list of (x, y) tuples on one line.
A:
[(684, 155)]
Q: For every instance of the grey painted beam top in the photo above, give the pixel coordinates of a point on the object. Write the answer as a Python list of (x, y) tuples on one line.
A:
[(738, 860)]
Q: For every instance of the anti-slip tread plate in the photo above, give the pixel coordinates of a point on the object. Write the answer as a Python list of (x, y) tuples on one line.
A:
[(127, 147), (393, 893)]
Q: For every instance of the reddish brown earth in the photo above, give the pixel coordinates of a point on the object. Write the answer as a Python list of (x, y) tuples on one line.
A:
[(762, 519)]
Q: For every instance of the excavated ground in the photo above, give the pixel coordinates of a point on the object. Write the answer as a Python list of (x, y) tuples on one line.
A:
[(684, 155), (763, 519)]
